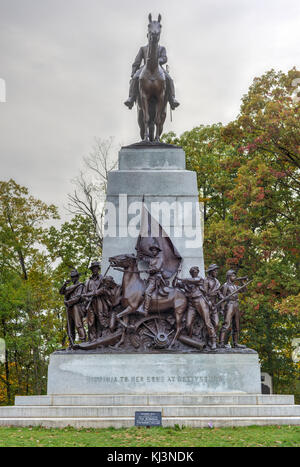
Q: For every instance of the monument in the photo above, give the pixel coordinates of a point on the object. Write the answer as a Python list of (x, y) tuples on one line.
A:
[(153, 322), (151, 327)]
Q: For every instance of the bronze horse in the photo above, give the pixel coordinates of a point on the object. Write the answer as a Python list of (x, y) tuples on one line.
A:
[(152, 96), (133, 288)]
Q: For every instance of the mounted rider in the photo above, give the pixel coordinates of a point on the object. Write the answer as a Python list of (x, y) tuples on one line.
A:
[(155, 279), (136, 71)]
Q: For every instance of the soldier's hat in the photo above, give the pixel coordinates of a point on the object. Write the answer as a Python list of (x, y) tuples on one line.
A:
[(212, 267), (95, 264), (194, 268), (109, 280), (74, 273), (231, 271)]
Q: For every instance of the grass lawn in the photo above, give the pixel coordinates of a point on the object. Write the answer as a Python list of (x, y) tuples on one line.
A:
[(155, 437)]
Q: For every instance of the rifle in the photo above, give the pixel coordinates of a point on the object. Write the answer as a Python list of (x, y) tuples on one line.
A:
[(233, 293), (174, 282), (69, 331)]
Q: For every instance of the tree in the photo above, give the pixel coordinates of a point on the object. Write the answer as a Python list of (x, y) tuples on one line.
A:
[(88, 198), (24, 293), (269, 119), (249, 173), (35, 259)]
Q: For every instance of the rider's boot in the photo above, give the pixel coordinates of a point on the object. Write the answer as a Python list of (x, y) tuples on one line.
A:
[(132, 93), (129, 102), (147, 303), (173, 102), (171, 92)]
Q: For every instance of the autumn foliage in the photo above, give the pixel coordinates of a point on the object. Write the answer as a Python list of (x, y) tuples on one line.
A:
[(248, 179)]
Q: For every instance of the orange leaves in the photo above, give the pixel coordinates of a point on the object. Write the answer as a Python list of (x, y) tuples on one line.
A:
[(239, 252), (261, 194)]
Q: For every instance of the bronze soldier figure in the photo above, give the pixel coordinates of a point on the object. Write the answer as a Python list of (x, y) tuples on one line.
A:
[(231, 311), (199, 303), (93, 293), (188, 289), (136, 71), (108, 291), (213, 293), (155, 276), (74, 306)]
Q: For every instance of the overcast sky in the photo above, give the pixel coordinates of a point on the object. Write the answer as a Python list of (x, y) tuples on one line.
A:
[(67, 64)]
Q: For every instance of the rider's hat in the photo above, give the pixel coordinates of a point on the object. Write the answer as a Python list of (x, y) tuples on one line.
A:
[(154, 247), (212, 267)]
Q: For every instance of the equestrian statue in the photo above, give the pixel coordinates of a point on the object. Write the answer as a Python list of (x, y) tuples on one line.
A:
[(151, 86)]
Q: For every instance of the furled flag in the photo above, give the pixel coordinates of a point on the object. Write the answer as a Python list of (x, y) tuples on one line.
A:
[(152, 234)]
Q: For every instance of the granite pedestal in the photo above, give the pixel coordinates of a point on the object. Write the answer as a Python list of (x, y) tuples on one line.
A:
[(156, 175), (106, 390), (157, 373)]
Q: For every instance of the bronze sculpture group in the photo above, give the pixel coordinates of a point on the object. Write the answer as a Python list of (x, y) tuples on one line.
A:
[(147, 315)]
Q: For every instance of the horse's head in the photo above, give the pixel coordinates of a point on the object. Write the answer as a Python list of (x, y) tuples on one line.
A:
[(154, 29), (122, 261)]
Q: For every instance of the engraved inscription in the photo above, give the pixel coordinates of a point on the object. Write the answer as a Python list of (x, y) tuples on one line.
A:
[(157, 379)]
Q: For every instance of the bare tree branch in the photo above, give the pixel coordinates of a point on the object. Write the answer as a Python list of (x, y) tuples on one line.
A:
[(88, 198)]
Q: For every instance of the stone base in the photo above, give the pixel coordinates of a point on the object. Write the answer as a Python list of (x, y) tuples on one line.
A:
[(157, 175), (154, 373), (192, 410)]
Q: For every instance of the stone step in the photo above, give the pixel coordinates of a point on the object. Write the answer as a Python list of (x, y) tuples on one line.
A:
[(186, 411), (123, 422), (154, 399)]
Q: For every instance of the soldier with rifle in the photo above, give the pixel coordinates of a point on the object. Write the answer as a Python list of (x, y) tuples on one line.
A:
[(198, 303), (212, 290), (74, 306), (231, 312)]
